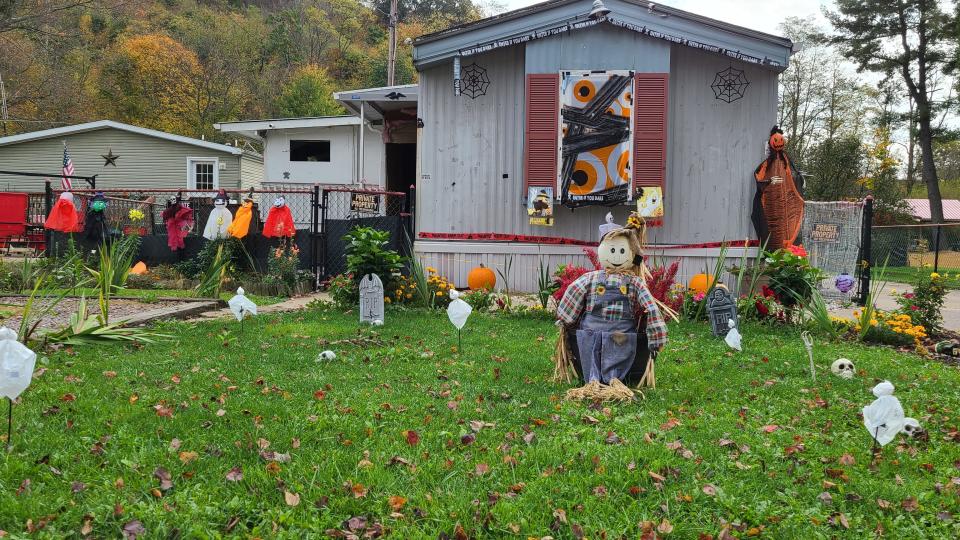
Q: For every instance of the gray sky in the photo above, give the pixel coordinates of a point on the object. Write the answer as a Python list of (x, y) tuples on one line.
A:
[(763, 15)]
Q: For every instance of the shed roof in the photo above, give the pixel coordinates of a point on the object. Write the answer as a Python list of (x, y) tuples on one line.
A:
[(649, 18), (251, 128), (920, 209), (110, 124)]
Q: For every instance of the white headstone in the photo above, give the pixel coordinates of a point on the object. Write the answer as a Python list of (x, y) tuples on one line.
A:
[(371, 299)]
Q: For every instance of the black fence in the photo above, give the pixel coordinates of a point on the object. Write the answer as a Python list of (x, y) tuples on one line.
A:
[(342, 209), (917, 248)]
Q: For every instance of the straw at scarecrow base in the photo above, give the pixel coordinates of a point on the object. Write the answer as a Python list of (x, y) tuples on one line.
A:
[(563, 359), (595, 391), (649, 378)]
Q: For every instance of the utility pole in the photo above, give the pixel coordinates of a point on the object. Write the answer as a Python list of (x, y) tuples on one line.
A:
[(392, 58), (3, 106)]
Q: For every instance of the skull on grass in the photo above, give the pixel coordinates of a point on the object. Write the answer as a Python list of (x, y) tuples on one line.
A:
[(843, 368), (911, 427)]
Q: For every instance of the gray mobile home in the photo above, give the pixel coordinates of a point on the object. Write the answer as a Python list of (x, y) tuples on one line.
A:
[(697, 101)]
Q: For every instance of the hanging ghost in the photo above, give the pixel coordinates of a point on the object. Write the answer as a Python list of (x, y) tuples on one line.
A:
[(220, 218), (241, 222), (241, 306), (95, 227), (279, 221), (884, 417), (63, 216), (458, 311), (179, 221), (16, 365)]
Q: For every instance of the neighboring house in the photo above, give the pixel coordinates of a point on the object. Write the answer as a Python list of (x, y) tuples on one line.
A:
[(920, 209), (342, 150), (141, 158), (705, 96)]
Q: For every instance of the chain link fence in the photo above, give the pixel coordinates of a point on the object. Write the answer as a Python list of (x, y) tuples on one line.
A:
[(910, 251)]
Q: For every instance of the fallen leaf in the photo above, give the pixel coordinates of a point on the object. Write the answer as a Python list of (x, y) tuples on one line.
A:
[(529, 437), (235, 474), (68, 397), (826, 498), (468, 439), (612, 438), (396, 502), (656, 477), (175, 445), (87, 526), (590, 420), (109, 374), (883, 504), (710, 490), (164, 476), (481, 469), (187, 457), (847, 459), (133, 529), (669, 424), (412, 437), (358, 491), (770, 428), (665, 527), (77, 487), (909, 504), (221, 412), (292, 499)]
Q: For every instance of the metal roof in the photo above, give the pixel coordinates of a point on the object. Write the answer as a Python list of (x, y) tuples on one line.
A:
[(377, 101), (110, 124), (920, 209), (250, 128), (650, 18)]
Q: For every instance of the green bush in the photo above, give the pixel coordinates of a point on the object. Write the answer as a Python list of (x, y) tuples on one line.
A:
[(367, 253), (344, 291)]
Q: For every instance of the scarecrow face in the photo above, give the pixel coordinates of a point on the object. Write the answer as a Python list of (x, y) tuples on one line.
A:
[(615, 253)]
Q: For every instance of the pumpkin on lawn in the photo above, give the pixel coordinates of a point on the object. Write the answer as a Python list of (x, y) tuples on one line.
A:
[(481, 278)]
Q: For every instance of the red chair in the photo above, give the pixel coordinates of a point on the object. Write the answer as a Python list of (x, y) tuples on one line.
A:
[(14, 226)]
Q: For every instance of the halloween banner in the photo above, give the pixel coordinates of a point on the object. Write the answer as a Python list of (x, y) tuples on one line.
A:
[(540, 206), (596, 137)]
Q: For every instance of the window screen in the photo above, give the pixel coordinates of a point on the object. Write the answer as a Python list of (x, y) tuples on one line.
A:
[(309, 150)]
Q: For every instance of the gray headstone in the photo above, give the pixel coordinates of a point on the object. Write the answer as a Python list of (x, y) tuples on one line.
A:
[(721, 308), (371, 299)]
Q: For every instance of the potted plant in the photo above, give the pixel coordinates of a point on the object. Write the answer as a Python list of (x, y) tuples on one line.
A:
[(790, 274)]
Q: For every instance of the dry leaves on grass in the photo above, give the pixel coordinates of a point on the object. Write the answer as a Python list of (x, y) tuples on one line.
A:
[(235, 474), (710, 490), (292, 499)]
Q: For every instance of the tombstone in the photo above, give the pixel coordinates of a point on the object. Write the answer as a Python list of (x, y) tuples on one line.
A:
[(721, 308), (371, 299)]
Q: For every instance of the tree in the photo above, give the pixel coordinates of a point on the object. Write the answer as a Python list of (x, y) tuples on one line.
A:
[(834, 169), (909, 38), (308, 93)]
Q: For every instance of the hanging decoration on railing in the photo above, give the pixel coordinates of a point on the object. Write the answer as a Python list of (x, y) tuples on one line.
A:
[(474, 81), (729, 85)]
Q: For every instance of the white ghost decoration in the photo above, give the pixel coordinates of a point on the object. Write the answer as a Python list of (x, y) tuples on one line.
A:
[(326, 355), (843, 368), (884, 417), (458, 311), (6, 333), (16, 365), (241, 306), (733, 338)]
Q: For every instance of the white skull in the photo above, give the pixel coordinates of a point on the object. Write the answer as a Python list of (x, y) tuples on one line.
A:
[(911, 428), (377, 322), (843, 367), (326, 355)]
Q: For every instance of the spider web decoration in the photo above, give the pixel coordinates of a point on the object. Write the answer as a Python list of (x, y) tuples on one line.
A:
[(729, 85), (474, 81)]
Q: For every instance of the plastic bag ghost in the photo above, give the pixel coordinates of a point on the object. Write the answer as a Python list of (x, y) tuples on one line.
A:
[(733, 338), (458, 311), (242, 221), (63, 216), (279, 221), (16, 365), (884, 417), (220, 218), (241, 306)]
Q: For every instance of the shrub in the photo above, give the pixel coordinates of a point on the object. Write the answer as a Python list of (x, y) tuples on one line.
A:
[(367, 253), (565, 275), (923, 305), (283, 266), (792, 277), (660, 283), (343, 290), (479, 300)]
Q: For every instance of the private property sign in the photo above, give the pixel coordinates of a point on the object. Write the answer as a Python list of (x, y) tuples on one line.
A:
[(825, 232), (365, 203)]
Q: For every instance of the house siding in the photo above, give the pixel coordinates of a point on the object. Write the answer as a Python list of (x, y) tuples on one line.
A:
[(144, 162), (598, 48), (341, 169), (251, 171)]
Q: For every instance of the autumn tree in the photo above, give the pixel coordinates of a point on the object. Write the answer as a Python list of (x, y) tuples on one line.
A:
[(308, 93), (910, 39)]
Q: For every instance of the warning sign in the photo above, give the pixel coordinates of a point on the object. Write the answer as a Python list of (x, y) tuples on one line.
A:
[(365, 203)]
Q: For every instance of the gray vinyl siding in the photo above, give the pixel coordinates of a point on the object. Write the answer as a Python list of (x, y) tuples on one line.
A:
[(251, 171), (596, 48), (144, 162)]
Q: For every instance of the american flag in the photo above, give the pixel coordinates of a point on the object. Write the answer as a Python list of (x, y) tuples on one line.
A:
[(67, 169)]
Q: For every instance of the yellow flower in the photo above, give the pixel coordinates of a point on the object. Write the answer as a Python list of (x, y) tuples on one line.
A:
[(934, 275), (439, 293), (386, 299), (409, 295), (431, 269), (893, 292)]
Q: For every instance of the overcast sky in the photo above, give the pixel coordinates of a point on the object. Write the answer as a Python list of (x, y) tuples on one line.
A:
[(763, 15)]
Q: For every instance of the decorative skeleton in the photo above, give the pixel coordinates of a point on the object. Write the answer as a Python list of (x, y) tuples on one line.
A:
[(843, 368)]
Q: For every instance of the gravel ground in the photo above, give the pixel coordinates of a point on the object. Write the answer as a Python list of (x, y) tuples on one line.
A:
[(59, 316)]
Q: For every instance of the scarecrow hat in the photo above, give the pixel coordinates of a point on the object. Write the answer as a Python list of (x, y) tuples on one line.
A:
[(608, 226), (220, 198)]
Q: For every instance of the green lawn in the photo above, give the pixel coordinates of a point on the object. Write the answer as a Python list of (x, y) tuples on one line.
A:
[(386, 433), (910, 275)]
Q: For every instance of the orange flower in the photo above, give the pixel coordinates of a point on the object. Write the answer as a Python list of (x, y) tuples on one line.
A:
[(797, 250)]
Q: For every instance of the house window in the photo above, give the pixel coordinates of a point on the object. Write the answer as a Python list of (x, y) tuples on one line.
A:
[(203, 174), (309, 150)]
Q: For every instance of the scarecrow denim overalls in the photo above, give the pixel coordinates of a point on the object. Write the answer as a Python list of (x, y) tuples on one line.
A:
[(607, 337)]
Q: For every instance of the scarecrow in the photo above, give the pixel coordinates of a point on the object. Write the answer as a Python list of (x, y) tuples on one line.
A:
[(220, 218), (611, 326), (179, 220), (241, 222), (279, 221), (95, 226), (777, 206), (63, 216)]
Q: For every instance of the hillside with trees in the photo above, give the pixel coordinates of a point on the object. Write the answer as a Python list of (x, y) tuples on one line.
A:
[(182, 65)]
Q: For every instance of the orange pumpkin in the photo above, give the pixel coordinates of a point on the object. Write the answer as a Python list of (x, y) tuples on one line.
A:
[(700, 283), (481, 278), (777, 142)]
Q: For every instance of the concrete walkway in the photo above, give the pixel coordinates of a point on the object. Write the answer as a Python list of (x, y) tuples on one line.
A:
[(291, 304), (886, 302)]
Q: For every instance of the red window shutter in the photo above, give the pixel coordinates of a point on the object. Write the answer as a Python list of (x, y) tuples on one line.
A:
[(650, 130), (540, 143)]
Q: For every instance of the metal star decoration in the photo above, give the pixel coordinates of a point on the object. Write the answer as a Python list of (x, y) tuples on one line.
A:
[(109, 158), (474, 81), (729, 85)]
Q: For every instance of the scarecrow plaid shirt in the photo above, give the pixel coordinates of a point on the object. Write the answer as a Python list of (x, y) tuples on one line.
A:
[(584, 293)]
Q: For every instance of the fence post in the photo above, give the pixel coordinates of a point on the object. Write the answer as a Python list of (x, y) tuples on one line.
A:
[(324, 198), (412, 207), (314, 232), (47, 207), (936, 252), (866, 251)]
